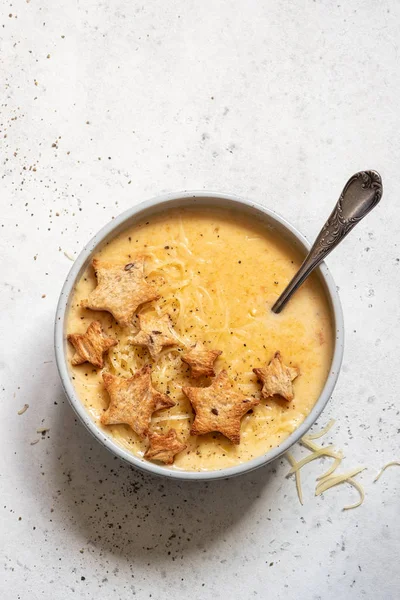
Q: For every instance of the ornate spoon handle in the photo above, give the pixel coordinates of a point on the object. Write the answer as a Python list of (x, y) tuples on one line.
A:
[(361, 194)]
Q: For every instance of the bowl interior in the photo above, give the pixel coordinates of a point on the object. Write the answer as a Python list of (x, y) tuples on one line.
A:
[(271, 221)]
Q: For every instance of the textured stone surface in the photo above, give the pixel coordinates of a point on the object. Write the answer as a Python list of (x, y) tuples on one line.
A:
[(105, 104)]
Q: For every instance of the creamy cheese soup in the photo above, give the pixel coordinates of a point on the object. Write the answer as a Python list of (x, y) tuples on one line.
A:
[(218, 272)]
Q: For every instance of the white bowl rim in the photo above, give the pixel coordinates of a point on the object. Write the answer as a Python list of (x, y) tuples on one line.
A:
[(107, 441)]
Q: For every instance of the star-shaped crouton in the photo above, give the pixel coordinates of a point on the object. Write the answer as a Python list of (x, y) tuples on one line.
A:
[(200, 360), (120, 290), (133, 400), (164, 447), (155, 333), (90, 346), (219, 407), (277, 378)]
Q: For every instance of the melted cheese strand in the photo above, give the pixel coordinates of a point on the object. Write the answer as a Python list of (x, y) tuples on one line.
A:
[(205, 292), (200, 305), (394, 463), (182, 234), (177, 417), (174, 264), (172, 287), (297, 476)]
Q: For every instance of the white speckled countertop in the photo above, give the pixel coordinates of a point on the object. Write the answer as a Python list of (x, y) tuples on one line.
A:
[(108, 103)]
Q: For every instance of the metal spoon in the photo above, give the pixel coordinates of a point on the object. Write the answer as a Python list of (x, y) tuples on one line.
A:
[(360, 195)]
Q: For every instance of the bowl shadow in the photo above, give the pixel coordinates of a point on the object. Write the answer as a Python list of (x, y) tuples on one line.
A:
[(121, 510)]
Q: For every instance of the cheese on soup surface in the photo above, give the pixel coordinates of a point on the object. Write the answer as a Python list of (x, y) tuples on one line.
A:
[(218, 272)]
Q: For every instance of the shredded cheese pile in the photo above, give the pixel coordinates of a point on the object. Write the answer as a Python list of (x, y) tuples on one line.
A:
[(329, 478)]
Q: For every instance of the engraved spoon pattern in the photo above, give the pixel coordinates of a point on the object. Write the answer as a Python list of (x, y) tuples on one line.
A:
[(360, 195)]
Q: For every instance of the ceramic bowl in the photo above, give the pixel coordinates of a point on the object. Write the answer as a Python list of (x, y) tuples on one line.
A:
[(147, 209)]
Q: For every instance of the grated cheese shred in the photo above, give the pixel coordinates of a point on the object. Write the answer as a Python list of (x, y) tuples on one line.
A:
[(328, 479), (318, 453), (319, 434), (333, 467), (360, 490), (329, 482), (393, 463), (297, 475)]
